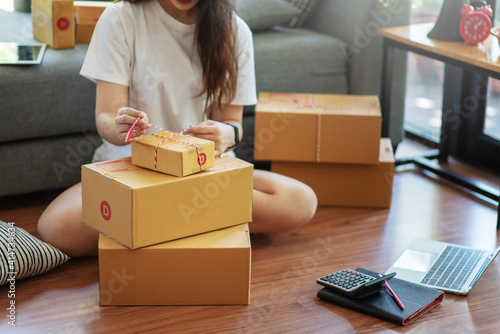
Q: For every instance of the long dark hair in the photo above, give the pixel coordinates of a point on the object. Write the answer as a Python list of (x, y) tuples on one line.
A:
[(215, 40)]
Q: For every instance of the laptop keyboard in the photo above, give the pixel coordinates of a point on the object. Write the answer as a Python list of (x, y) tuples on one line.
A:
[(452, 268)]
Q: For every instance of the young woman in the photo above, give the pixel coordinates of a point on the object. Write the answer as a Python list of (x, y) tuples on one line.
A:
[(176, 64)]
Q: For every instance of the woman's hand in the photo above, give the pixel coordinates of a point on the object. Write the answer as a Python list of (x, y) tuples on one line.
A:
[(221, 134), (125, 119), (113, 116)]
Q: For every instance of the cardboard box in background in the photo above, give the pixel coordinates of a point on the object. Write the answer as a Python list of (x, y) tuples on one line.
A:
[(174, 157), (286, 128), (138, 207), (54, 22), (351, 185), (87, 13), (206, 269)]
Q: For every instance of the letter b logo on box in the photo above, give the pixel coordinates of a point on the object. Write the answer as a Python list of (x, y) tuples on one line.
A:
[(105, 210)]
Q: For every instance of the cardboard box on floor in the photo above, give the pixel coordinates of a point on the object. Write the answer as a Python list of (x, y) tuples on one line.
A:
[(287, 128), (138, 207), (87, 13), (177, 156), (206, 269), (54, 22), (351, 185)]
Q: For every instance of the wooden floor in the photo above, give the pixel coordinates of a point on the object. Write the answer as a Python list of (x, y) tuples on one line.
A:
[(284, 270)]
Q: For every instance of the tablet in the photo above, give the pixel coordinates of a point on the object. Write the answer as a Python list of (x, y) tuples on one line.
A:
[(21, 54)]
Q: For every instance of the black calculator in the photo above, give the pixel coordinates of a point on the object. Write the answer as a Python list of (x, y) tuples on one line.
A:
[(353, 283)]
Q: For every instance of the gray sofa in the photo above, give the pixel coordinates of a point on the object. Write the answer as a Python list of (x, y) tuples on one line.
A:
[(47, 125)]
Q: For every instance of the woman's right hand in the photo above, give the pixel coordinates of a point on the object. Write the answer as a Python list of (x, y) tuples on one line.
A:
[(124, 120)]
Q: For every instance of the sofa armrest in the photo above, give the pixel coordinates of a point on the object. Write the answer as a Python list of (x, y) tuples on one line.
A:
[(356, 22)]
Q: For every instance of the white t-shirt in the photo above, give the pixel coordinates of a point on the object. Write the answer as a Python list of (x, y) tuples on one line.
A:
[(142, 47)]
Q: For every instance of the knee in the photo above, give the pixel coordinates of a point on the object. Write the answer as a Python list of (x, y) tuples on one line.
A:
[(51, 229), (303, 204), (66, 236), (281, 203)]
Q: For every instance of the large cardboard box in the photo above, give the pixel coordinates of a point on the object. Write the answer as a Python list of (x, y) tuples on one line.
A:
[(54, 22), (206, 269), (351, 185), (180, 155), (138, 207), (87, 13), (317, 128)]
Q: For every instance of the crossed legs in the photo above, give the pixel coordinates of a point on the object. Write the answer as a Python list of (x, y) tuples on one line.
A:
[(279, 204)]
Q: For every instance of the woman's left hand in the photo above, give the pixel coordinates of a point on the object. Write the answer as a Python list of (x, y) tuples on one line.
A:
[(221, 134)]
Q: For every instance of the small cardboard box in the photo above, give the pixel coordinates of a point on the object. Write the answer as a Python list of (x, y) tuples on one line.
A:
[(312, 127), (345, 184), (138, 207), (206, 269), (87, 13), (54, 22), (177, 156)]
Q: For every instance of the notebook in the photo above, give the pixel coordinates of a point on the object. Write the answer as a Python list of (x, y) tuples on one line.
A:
[(417, 299), (448, 267)]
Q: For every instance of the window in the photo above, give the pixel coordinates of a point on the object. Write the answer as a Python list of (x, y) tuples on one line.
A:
[(425, 81)]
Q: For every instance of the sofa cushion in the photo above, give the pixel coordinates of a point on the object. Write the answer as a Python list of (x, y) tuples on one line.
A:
[(45, 163), (300, 60), (47, 99), (305, 7), (265, 14), (23, 255)]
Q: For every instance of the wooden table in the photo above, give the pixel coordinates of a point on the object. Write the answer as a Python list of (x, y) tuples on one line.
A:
[(466, 68)]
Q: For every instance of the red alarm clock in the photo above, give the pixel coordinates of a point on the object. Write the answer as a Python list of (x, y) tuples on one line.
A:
[(475, 25)]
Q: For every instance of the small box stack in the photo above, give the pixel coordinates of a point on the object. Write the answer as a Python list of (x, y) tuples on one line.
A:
[(54, 22), (330, 142), (169, 240)]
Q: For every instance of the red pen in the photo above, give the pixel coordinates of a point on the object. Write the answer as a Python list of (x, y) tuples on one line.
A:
[(394, 295)]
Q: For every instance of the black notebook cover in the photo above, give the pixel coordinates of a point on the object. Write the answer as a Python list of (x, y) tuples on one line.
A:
[(417, 300)]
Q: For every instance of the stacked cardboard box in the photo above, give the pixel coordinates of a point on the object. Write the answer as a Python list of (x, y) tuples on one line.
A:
[(54, 22), (87, 13), (172, 153), (62, 23), (330, 142), (168, 240)]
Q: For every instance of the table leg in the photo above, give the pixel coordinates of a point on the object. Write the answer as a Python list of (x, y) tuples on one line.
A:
[(385, 94), (459, 88), (450, 119)]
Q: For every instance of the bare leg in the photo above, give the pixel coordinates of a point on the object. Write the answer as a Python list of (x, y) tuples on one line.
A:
[(280, 203), (60, 225)]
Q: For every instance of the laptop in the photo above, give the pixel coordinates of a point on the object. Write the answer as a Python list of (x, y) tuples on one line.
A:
[(448, 267), (21, 54)]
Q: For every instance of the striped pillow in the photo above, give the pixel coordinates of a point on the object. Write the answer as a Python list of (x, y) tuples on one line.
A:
[(305, 7), (23, 255)]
